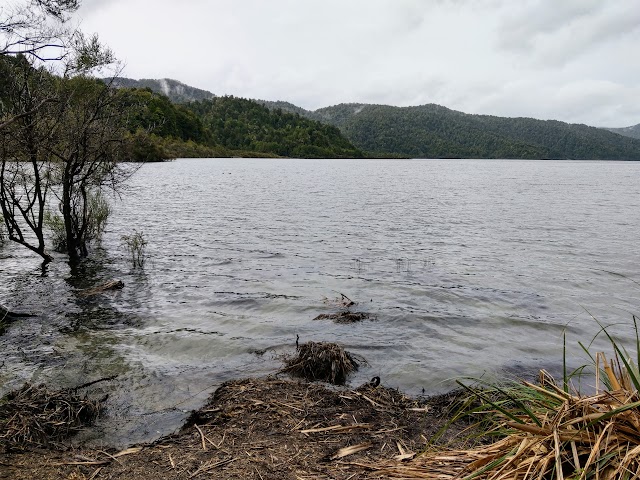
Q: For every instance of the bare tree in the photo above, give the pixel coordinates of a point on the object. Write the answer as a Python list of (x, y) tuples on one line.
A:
[(28, 96), (60, 135)]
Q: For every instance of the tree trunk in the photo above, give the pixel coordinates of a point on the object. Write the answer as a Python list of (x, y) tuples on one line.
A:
[(67, 215)]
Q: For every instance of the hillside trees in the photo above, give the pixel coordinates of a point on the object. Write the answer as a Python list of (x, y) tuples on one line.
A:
[(155, 124), (241, 124), (433, 131)]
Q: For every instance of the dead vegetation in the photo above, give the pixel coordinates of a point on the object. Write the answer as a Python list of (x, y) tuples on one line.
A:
[(34, 416), (327, 362), (550, 433), (266, 429), (346, 317)]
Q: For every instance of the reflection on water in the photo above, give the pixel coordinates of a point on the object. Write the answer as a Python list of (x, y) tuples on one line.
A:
[(468, 267)]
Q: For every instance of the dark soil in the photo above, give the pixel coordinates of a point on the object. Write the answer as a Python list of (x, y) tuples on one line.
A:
[(264, 429)]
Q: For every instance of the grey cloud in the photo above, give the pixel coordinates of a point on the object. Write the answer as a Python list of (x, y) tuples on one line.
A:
[(520, 26), (552, 34), (571, 60)]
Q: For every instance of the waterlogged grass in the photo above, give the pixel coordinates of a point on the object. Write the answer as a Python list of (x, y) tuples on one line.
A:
[(549, 429)]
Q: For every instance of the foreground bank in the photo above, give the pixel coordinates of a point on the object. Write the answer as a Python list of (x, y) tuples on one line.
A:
[(273, 429), (264, 429)]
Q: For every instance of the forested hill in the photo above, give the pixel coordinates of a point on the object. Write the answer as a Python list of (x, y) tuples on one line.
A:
[(430, 131), (241, 124), (433, 131), (633, 131), (223, 127)]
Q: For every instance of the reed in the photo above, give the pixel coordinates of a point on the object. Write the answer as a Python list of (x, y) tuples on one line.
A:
[(136, 245)]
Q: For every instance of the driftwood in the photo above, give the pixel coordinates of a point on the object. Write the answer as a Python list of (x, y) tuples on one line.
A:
[(112, 285)]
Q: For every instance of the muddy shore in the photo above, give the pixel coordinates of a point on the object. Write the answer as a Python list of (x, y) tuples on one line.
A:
[(266, 428)]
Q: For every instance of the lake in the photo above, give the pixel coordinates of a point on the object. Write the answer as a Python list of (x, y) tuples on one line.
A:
[(469, 268)]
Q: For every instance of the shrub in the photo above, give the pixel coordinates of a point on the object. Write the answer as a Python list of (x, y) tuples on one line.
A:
[(136, 245), (55, 223)]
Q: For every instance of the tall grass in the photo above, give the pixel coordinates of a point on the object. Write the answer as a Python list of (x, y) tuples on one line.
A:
[(549, 429)]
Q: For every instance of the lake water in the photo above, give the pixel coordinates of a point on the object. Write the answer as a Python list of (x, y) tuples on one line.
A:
[(469, 267)]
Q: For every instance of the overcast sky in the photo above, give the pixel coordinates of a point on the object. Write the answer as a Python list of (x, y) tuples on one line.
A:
[(571, 60)]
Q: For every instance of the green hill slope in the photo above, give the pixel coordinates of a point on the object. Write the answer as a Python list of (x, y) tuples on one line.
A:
[(174, 90), (223, 127), (240, 124), (433, 131), (429, 131)]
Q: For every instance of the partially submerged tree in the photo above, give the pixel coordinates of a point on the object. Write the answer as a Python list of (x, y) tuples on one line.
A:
[(61, 136), (88, 160), (28, 95)]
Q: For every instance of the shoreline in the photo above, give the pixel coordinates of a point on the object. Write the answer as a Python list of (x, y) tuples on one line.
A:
[(265, 428)]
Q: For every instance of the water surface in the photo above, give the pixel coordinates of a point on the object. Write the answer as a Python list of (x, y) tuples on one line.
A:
[(470, 267)]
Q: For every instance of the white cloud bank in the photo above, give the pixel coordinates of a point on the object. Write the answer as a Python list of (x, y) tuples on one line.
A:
[(571, 60)]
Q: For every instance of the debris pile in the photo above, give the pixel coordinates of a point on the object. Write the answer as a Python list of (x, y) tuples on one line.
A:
[(327, 362), (36, 416)]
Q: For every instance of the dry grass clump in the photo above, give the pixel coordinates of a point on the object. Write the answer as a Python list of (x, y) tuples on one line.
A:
[(549, 432), (35, 416), (328, 362)]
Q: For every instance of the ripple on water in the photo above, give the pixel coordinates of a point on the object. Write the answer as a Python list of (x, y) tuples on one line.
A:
[(468, 266)]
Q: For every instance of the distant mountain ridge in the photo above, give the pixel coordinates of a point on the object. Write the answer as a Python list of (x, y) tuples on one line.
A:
[(633, 131), (434, 131), (176, 91)]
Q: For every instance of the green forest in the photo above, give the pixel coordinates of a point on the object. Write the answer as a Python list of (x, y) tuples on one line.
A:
[(241, 127), (433, 131), (223, 127), (245, 125)]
